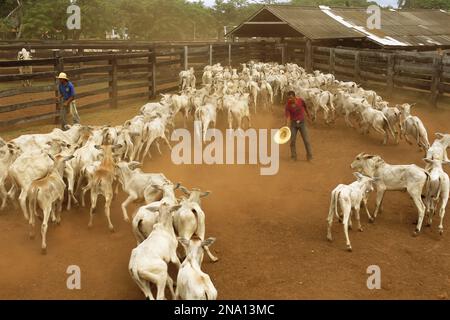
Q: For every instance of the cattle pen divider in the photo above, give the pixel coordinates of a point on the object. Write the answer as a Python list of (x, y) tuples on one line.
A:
[(107, 73)]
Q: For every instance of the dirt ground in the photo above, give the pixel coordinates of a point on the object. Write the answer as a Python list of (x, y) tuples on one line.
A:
[(271, 230)]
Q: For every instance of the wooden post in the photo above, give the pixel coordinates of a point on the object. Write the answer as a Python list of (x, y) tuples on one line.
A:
[(332, 61), (308, 56), (229, 55), (357, 67), (186, 53), (58, 67), (390, 73), (152, 73), (113, 91), (436, 79), (283, 53), (210, 55)]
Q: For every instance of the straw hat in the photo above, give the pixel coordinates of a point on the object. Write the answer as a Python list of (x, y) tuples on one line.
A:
[(62, 75), (282, 136)]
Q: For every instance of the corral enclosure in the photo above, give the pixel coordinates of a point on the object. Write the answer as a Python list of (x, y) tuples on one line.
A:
[(107, 73)]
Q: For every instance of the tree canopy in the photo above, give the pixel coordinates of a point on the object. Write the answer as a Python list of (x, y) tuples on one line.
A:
[(147, 19)]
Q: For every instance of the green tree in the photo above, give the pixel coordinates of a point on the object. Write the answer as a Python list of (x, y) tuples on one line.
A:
[(424, 4)]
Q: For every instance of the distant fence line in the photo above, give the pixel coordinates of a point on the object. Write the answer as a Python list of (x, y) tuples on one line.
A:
[(108, 72), (105, 75)]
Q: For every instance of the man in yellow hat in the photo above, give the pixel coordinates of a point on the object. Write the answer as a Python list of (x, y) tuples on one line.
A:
[(295, 118), (67, 94)]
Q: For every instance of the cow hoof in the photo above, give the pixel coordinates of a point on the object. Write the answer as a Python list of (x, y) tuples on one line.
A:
[(360, 229), (349, 249), (441, 232), (111, 229), (44, 251), (330, 239), (126, 219), (371, 220), (416, 233), (90, 225)]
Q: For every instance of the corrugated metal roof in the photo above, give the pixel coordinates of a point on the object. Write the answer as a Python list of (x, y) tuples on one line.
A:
[(398, 27), (312, 22)]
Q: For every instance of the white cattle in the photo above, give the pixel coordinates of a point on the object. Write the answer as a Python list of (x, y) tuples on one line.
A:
[(135, 183), (206, 115), (438, 150), (349, 198), (155, 130), (438, 191), (24, 55), (192, 282), (189, 220), (238, 109), (411, 178), (266, 95), (48, 194), (146, 216), (372, 118), (413, 127), (149, 260), (8, 154)]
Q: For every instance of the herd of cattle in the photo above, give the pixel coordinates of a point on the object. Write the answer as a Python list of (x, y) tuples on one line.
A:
[(48, 169)]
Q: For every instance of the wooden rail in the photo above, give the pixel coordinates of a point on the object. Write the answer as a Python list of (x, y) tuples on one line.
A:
[(106, 72)]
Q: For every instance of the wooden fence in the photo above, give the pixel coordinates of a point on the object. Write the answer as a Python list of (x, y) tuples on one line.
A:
[(418, 71), (108, 74)]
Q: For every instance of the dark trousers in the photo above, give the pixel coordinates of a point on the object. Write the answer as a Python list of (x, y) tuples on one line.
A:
[(295, 128)]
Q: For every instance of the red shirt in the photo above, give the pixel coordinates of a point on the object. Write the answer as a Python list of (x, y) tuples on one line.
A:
[(296, 112)]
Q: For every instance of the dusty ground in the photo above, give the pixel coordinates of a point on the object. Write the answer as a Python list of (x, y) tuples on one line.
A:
[(270, 230)]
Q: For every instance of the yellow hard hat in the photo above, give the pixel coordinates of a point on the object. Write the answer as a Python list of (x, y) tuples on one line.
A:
[(282, 136), (62, 75)]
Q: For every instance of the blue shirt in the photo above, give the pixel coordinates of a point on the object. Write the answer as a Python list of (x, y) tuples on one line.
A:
[(67, 90)]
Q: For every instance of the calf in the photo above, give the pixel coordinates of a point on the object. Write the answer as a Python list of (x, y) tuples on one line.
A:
[(146, 216), (238, 108), (438, 191), (372, 118), (48, 193), (413, 127), (101, 182), (192, 282), (135, 182), (438, 150), (206, 115), (348, 198), (189, 220), (149, 260)]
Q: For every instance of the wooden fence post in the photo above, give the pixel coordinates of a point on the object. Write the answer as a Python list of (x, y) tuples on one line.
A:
[(113, 83), (436, 79), (210, 55), (58, 67), (229, 55), (308, 56), (332, 61), (186, 53), (283, 53), (152, 73), (390, 73), (357, 67)]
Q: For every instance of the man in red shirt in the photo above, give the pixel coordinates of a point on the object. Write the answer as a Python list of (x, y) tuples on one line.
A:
[(295, 118)]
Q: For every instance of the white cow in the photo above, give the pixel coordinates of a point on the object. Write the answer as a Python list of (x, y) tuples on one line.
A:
[(349, 198), (149, 260), (411, 178), (438, 191), (192, 282)]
